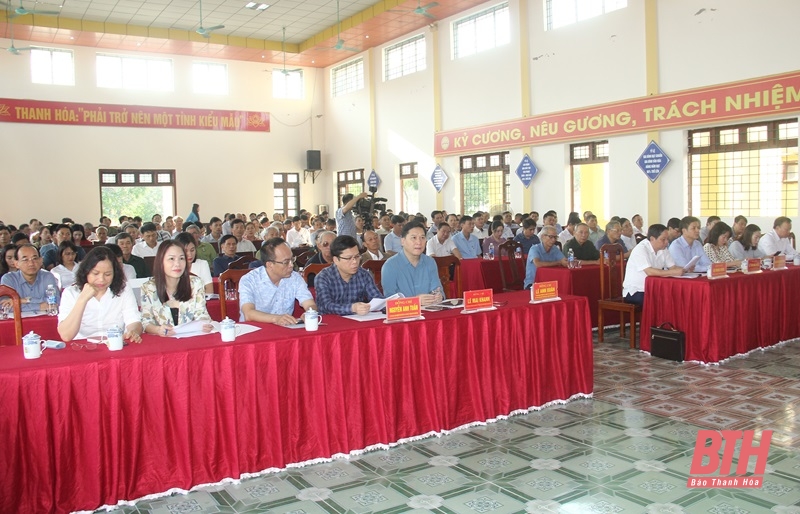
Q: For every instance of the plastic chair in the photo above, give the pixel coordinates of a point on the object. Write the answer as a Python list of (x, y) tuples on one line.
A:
[(612, 274), (12, 293), (512, 279), (229, 275)]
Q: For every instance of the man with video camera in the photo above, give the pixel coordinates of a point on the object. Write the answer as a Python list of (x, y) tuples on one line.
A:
[(345, 222)]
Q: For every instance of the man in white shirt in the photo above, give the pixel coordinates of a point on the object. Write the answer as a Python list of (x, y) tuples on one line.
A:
[(215, 231), (436, 218), (242, 245), (298, 235), (776, 241), (481, 231), (386, 225), (441, 245), (372, 247), (650, 258), (569, 231), (149, 244)]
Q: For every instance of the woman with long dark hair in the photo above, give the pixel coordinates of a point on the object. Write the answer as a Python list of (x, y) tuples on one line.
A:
[(66, 264), (172, 296), (98, 300), (746, 247), (7, 261), (716, 246), (196, 267), (194, 216)]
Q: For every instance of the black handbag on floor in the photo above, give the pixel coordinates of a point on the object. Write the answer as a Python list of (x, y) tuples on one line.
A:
[(667, 342)]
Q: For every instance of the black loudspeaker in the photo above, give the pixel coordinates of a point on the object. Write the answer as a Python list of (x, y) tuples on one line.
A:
[(313, 160)]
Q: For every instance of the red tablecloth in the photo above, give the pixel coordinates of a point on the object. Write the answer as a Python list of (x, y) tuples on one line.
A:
[(725, 317), (485, 274), (82, 429)]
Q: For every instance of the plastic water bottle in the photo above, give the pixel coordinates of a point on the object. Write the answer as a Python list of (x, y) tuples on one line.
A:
[(518, 252), (491, 251), (571, 258), (52, 304)]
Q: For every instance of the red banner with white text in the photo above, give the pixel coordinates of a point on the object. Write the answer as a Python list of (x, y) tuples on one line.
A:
[(773, 95), (14, 110)]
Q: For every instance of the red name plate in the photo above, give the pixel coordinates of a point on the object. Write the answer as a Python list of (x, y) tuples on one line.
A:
[(753, 265), (779, 262), (542, 291), (480, 299), (718, 270), (402, 308)]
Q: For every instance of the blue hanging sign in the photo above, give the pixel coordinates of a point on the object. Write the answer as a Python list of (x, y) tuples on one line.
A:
[(653, 161), (438, 177), (526, 171), (373, 180)]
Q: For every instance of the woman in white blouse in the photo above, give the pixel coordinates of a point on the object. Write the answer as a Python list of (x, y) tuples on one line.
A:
[(66, 268), (746, 247), (199, 267)]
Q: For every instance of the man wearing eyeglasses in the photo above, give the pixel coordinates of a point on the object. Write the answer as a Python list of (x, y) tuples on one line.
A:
[(30, 281), (267, 294), (323, 255), (545, 254), (345, 288)]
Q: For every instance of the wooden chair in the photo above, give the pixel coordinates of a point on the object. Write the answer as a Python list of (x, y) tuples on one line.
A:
[(302, 259), (639, 238), (312, 270), (242, 262), (148, 264), (612, 274), (216, 247), (246, 254), (12, 293), (512, 279), (793, 240), (375, 268), (229, 275), (257, 243), (445, 264), (559, 245)]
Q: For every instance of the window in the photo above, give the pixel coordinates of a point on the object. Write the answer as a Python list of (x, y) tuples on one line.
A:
[(589, 170), (559, 13), (134, 73), (351, 181), (485, 183), (745, 169), (409, 187), (137, 192), (210, 78), (404, 58), (347, 78), (286, 193), (52, 66), (287, 84), (481, 31)]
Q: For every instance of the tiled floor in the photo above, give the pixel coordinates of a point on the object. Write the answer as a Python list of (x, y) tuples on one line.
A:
[(627, 451)]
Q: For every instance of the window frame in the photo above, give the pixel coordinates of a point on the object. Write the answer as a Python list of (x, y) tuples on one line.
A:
[(138, 181), (339, 87), (504, 167), (598, 154), (224, 66), (51, 51), (608, 6), (407, 171), (343, 183), (285, 185), (147, 61), (456, 26), (301, 93), (419, 59)]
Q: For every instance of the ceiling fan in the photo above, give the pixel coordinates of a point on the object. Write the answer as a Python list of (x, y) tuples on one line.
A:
[(205, 31), (339, 41), (420, 9), (12, 49), (22, 11), (283, 49)]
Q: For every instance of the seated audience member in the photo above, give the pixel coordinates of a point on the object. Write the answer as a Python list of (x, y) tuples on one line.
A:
[(204, 251), (214, 231), (99, 300), (65, 270), (716, 246), (49, 252), (267, 294), (317, 228), (410, 271), (739, 224), (481, 230), (508, 221), (776, 241), (688, 246), (612, 237), (196, 266), (746, 247), (127, 269), (452, 220), (5, 235), (7, 262), (330, 225), (466, 241), (30, 281), (372, 247), (507, 232), (148, 247), (242, 245), (436, 219), (545, 254), (495, 239), (527, 236), (79, 236), (173, 296), (442, 245), (550, 218), (323, 255), (298, 235), (345, 288), (638, 224), (583, 249), (673, 229), (169, 226), (227, 248), (269, 233), (626, 233), (101, 235), (20, 239), (392, 243), (650, 258), (250, 232), (569, 231), (226, 224), (535, 217), (595, 232), (125, 243), (386, 225), (710, 222), (41, 238)]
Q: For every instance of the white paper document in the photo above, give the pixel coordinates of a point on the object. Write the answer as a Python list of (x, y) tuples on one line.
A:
[(378, 304), (691, 263), (371, 316), (193, 328)]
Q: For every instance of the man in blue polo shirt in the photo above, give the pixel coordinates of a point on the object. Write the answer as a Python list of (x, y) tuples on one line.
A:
[(688, 246), (410, 271), (545, 254), (467, 242)]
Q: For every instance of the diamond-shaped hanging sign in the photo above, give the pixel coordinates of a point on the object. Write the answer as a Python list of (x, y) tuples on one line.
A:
[(438, 177), (526, 171), (653, 161)]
